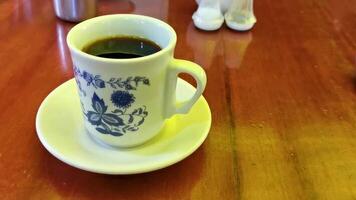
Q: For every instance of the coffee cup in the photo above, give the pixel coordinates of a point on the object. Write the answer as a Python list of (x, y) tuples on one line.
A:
[(125, 102)]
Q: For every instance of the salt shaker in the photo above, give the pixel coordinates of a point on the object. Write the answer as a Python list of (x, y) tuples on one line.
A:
[(75, 10), (208, 15)]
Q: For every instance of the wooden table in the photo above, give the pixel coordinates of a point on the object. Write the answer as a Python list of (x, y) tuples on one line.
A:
[(283, 100)]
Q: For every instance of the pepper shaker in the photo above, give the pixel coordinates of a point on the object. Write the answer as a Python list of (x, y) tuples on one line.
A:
[(240, 15)]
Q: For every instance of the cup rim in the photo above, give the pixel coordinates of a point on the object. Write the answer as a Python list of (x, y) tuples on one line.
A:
[(72, 47)]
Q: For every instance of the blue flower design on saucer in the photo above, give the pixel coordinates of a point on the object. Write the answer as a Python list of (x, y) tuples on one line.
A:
[(120, 120)]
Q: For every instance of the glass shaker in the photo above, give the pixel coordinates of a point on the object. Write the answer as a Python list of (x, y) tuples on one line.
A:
[(240, 15)]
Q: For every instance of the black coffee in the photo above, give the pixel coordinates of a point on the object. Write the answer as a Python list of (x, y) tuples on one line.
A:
[(122, 47)]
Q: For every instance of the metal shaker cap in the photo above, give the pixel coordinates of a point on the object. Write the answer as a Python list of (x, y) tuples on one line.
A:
[(75, 10)]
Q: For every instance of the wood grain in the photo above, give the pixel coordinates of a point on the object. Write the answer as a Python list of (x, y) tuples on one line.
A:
[(283, 100)]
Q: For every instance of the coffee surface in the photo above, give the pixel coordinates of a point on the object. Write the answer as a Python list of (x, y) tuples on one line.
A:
[(122, 47)]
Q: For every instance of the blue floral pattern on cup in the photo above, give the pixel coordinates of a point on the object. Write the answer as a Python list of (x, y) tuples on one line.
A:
[(120, 120), (130, 83)]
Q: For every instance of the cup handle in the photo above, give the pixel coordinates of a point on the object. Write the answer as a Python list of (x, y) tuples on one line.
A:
[(176, 67)]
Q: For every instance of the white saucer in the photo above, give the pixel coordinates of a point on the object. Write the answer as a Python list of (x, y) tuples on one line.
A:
[(59, 125)]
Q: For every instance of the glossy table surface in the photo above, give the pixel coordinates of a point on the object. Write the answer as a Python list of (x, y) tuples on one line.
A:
[(283, 101)]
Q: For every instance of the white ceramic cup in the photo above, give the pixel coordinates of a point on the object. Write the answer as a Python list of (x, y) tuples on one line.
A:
[(125, 102)]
